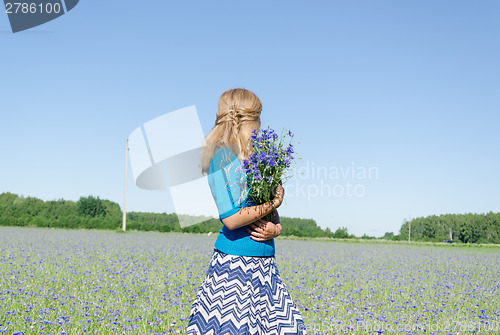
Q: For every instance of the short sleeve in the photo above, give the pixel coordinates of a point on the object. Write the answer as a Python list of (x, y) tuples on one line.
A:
[(227, 184)]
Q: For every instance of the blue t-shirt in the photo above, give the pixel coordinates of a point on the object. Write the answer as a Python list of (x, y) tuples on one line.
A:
[(230, 192)]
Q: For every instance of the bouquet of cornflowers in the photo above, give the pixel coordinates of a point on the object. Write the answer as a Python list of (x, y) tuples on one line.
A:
[(268, 165)]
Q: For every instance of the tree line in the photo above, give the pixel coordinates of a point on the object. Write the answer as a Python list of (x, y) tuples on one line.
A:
[(466, 228), (93, 213)]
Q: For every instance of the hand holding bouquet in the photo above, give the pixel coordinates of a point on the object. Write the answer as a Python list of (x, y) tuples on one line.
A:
[(268, 165)]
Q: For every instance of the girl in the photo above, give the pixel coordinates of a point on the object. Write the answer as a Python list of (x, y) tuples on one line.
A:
[(242, 292)]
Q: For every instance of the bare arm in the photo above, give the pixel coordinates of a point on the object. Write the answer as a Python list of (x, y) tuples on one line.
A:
[(247, 215), (266, 231)]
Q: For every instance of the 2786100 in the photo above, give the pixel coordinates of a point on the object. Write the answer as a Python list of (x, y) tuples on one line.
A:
[(32, 8)]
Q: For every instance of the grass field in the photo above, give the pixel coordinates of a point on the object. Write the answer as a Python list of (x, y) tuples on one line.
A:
[(84, 281)]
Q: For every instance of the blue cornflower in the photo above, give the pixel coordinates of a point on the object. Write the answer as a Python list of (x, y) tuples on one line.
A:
[(274, 152), (267, 162)]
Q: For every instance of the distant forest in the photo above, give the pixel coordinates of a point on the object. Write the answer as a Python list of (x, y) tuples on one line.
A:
[(93, 213), (466, 228)]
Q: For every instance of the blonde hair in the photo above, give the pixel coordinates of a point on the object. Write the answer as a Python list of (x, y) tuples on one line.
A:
[(238, 113)]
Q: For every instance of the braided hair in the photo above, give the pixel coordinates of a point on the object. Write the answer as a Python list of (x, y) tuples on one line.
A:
[(238, 113)]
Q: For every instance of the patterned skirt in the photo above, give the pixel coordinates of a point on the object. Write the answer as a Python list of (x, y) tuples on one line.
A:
[(243, 295)]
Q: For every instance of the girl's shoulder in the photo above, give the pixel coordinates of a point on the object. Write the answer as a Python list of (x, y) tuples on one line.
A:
[(223, 158), (224, 154), (221, 150)]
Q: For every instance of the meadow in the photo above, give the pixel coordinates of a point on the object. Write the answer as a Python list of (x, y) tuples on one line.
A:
[(58, 281)]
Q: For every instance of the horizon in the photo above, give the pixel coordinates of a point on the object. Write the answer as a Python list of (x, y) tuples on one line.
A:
[(301, 218)]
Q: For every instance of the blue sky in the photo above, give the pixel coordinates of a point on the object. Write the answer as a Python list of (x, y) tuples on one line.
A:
[(407, 88)]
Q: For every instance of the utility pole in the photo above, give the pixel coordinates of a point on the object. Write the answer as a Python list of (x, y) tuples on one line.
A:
[(124, 221), (409, 229)]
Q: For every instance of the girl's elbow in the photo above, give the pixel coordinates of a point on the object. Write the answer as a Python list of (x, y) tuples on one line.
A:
[(228, 223), (235, 221)]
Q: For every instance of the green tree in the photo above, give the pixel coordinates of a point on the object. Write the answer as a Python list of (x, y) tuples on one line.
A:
[(341, 232), (388, 236), (91, 207)]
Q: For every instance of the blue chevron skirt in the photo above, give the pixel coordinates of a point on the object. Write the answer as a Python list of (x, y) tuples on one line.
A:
[(243, 295)]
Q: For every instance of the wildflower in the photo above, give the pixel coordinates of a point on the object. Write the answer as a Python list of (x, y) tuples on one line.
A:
[(267, 165)]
